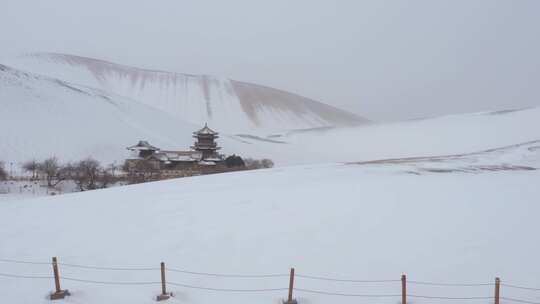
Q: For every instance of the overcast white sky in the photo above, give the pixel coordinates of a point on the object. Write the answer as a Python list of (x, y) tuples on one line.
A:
[(385, 60)]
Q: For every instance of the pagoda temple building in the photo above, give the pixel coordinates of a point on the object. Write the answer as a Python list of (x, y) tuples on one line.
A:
[(203, 156), (206, 143)]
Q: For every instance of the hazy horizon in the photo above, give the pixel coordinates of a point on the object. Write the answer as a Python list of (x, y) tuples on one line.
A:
[(384, 60)]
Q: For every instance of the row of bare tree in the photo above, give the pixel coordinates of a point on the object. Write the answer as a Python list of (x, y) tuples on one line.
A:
[(87, 174)]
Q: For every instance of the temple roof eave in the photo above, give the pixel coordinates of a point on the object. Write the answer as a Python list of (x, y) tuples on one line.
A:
[(205, 131), (143, 145)]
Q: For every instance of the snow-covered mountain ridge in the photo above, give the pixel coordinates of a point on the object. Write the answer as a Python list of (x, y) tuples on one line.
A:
[(227, 104)]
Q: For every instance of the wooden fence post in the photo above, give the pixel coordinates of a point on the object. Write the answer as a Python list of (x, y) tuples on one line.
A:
[(403, 289), (290, 299), (497, 290), (164, 295), (58, 293)]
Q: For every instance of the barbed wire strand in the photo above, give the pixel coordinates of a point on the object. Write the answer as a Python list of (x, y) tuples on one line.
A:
[(448, 298), (226, 275), (226, 289), (344, 280), (520, 287), (109, 282), (347, 294), (24, 262), (80, 266), (449, 284), (140, 283), (9, 275), (108, 268), (147, 269), (519, 300)]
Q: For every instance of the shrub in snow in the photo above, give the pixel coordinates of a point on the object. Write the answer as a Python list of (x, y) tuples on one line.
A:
[(88, 174), (234, 161), (258, 163), (267, 163), (3, 173)]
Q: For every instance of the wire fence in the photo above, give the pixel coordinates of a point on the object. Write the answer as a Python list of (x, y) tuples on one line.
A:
[(496, 297)]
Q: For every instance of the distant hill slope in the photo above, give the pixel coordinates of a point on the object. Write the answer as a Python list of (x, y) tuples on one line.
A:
[(226, 104), (42, 116)]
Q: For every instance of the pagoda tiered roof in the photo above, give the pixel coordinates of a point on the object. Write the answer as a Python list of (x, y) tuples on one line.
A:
[(205, 131), (198, 146)]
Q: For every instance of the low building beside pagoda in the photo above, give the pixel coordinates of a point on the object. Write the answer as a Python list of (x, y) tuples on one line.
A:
[(203, 158)]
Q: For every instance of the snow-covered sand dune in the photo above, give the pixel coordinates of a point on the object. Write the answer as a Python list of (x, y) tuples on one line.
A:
[(337, 221), (455, 134), (45, 116), (229, 105)]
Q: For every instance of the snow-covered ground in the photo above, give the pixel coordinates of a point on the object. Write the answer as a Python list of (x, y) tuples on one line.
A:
[(344, 221), (10, 190), (27, 189)]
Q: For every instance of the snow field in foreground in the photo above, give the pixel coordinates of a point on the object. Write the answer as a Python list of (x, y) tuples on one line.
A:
[(338, 221)]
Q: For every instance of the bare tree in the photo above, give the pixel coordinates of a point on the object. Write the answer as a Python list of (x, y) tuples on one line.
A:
[(3, 173), (32, 167), (105, 179), (85, 173), (88, 174), (52, 170)]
